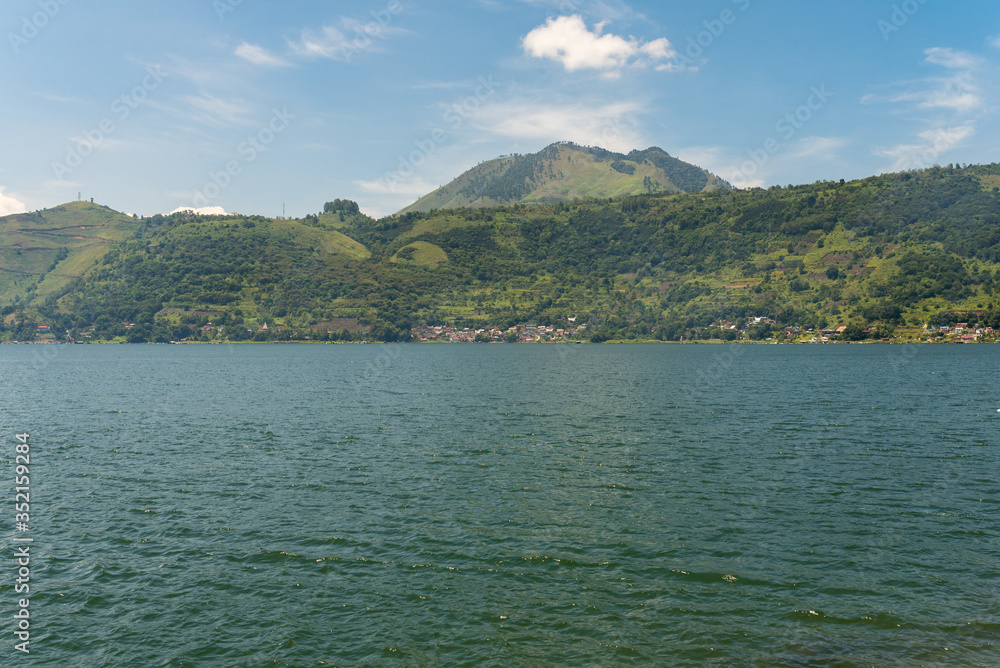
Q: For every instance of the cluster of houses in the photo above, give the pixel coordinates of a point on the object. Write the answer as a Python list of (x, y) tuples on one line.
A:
[(727, 324), (823, 335), (518, 333), (962, 332), (820, 336)]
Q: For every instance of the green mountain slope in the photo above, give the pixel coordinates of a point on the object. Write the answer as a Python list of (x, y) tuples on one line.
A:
[(563, 172), (883, 255), (218, 265), (42, 252), (885, 252)]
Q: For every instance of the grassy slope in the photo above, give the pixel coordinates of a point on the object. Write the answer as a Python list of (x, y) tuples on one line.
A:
[(991, 181), (450, 196), (567, 172), (330, 241), (30, 244), (421, 254), (580, 176)]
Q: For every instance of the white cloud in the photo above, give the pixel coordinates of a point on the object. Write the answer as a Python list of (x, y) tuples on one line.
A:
[(105, 143), (342, 43), (567, 40), (955, 102), (740, 180), (758, 167), (659, 49), (952, 97), (823, 148), (58, 183), (259, 56), (706, 157), (10, 205), (996, 41), (393, 192), (332, 43), (59, 99), (950, 58), (721, 161), (203, 211), (926, 153), (414, 186), (216, 111), (614, 10), (957, 92), (736, 168), (611, 126)]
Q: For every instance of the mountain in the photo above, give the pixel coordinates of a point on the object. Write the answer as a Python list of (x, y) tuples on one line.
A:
[(893, 255), (565, 171)]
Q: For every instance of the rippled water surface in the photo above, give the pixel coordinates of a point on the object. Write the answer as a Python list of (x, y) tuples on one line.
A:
[(506, 505)]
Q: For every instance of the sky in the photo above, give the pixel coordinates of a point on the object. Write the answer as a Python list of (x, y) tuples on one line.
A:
[(274, 108)]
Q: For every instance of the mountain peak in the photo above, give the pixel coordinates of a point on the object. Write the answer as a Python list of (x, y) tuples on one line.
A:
[(565, 171)]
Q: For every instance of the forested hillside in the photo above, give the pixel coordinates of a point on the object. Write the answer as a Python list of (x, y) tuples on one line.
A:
[(565, 171), (885, 254)]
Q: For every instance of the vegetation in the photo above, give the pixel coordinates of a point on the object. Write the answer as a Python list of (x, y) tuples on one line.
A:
[(883, 256), (565, 171), (43, 251)]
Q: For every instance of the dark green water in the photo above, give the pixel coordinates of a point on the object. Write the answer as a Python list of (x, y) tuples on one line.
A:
[(506, 505)]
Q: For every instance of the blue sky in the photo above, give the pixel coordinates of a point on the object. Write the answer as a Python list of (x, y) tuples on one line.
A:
[(251, 106)]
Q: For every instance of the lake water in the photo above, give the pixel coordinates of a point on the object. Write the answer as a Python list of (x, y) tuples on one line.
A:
[(505, 505)]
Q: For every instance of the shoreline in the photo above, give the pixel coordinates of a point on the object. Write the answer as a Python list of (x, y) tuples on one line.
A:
[(710, 342)]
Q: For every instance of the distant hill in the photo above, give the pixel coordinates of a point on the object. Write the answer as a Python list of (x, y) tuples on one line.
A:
[(893, 255), (44, 256), (44, 251), (565, 171)]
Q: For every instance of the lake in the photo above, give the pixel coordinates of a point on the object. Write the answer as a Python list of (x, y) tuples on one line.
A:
[(505, 505)]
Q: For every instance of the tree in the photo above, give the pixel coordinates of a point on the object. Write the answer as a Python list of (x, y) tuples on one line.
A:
[(341, 205), (853, 332), (759, 331)]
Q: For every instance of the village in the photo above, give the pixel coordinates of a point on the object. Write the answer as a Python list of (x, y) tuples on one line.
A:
[(754, 330), (517, 334), (962, 332)]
